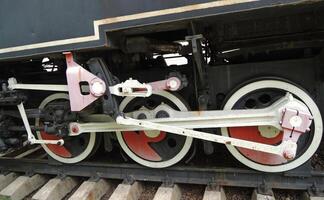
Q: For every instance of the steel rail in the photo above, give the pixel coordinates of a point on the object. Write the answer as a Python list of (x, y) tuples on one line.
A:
[(299, 179)]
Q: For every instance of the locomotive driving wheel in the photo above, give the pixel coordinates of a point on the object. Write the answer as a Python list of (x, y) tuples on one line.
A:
[(261, 94), (75, 149), (152, 148)]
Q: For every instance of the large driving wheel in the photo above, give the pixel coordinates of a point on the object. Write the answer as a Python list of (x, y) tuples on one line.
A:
[(155, 149), (75, 149), (261, 94)]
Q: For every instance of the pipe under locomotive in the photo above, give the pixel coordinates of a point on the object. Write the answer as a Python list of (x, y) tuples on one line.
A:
[(181, 82)]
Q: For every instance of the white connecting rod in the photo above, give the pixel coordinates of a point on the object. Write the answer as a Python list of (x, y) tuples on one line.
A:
[(270, 116), (31, 138), (279, 150), (179, 122)]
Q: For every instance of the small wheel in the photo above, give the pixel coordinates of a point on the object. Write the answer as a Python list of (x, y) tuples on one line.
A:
[(261, 94), (75, 149), (155, 149)]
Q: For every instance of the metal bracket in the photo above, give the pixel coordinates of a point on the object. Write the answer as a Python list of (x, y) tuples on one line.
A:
[(94, 178), (75, 75), (31, 138), (30, 173), (131, 88), (129, 180), (294, 123), (173, 83), (61, 176), (136, 89), (213, 186), (109, 103), (264, 189), (196, 51), (167, 182)]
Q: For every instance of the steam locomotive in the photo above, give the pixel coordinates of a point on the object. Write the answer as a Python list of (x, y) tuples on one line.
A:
[(161, 83)]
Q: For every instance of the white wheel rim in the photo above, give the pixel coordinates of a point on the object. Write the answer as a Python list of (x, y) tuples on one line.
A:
[(318, 124), (162, 164), (76, 159)]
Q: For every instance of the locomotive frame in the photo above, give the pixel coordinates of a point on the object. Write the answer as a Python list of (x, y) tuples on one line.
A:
[(226, 39)]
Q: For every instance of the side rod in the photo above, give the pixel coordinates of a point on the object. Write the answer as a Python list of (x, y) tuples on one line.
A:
[(278, 150), (270, 116)]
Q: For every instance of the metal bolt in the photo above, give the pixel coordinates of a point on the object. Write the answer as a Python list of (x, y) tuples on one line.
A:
[(288, 154), (172, 84), (97, 88), (75, 129), (60, 143)]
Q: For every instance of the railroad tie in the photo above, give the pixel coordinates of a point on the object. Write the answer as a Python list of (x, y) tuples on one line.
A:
[(127, 192), (214, 193), (22, 187), (256, 196), (168, 193), (308, 196), (314, 198), (93, 190), (5, 180), (56, 189)]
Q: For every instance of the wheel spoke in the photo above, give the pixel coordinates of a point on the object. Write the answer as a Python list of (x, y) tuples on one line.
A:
[(155, 149), (75, 149), (260, 94)]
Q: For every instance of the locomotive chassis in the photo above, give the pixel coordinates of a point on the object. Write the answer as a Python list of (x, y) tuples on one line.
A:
[(217, 77)]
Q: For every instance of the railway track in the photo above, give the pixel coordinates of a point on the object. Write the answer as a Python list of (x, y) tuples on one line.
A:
[(233, 105), (28, 174), (16, 186)]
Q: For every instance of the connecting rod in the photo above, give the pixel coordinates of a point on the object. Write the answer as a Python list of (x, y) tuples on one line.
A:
[(270, 116), (287, 114)]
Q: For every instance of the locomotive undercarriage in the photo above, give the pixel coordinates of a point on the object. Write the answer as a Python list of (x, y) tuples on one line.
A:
[(254, 89), (284, 123)]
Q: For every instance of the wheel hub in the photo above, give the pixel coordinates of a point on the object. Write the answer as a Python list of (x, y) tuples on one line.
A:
[(75, 149), (268, 131), (260, 94), (152, 133), (153, 148)]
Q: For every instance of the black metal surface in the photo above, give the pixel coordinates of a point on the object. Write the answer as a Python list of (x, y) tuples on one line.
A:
[(98, 67), (217, 176), (33, 22)]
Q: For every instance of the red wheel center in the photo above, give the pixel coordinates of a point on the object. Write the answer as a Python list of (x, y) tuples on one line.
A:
[(56, 149), (253, 134), (139, 143)]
